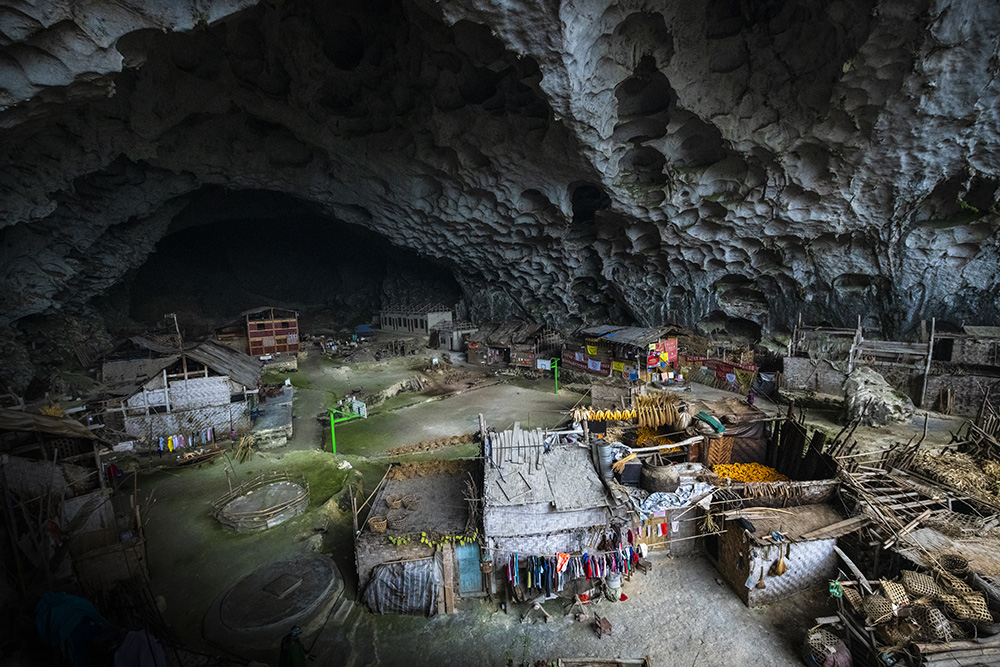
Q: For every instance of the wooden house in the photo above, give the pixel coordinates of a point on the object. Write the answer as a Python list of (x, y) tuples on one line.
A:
[(420, 320), (199, 393), (963, 365), (630, 352), (747, 560), (542, 496), (515, 343), (272, 331), (451, 335)]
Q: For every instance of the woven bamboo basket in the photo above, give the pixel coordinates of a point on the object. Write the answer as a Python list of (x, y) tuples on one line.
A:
[(952, 584), (878, 608), (919, 585), (979, 611), (854, 598), (411, 502), (394, 501), (955, 606), (377, 524), (933, 624), (954, 563), (895, 592), (396, 519)]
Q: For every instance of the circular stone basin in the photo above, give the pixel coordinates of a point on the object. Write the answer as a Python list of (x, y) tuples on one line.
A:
[(258, 610), (264, 507)]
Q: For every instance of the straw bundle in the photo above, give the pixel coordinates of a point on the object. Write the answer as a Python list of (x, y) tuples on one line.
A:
[(958, 471)]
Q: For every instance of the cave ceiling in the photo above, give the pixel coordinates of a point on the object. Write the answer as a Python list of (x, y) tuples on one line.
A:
[(568, 161)]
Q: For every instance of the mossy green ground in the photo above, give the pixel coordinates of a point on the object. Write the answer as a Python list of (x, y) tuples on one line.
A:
[(193, 559)]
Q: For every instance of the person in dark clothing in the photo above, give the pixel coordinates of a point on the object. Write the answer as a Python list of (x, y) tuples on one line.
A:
[(293, 653)]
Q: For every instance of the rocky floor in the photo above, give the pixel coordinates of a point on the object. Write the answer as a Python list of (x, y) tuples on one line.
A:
[(677, 614)]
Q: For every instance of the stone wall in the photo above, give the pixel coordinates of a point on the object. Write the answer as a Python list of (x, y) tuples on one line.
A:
[(802, 374), (966, 390), (981, 351)]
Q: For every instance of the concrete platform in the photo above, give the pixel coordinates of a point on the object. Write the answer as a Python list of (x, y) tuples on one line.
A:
[(274, 426), (259, 609)]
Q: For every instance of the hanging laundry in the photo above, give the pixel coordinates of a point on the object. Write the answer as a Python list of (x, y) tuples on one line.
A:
[(170, 443), (562, 560)]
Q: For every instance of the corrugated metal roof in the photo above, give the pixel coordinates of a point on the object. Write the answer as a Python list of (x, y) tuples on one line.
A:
[(568, 481), (240, 367), (505, 333), (153, 345), (639, 336), (16, 420), (224, 360), (982, 332)]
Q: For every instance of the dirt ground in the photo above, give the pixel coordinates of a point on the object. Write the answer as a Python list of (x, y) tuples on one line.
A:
[(678, 614)]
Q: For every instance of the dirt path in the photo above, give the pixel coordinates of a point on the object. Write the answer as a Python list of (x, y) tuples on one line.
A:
[(677, 615)]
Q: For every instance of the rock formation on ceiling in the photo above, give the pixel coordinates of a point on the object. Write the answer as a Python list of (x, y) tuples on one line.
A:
[(568, 161)]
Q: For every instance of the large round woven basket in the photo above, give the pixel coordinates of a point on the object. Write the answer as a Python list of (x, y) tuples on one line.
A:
[(411, 502), (394, 501)]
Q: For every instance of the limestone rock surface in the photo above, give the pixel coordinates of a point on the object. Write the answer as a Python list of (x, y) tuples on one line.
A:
[(713, 161), (873, 400)]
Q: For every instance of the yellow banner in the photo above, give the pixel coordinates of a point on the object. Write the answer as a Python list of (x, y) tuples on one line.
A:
[(618, 365), (652, 347), (591, 349)]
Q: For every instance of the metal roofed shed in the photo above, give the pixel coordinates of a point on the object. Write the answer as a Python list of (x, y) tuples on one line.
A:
[(541, 495)]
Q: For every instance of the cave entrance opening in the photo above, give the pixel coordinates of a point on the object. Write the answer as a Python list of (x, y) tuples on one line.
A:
[(228, 253)]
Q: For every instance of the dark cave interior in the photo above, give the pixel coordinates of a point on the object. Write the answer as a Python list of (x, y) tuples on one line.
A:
[(215, 263)]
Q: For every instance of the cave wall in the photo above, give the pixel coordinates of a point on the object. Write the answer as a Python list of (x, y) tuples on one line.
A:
[(567, 160)]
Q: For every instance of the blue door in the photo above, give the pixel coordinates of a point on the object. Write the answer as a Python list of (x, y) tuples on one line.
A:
[(470, 579)]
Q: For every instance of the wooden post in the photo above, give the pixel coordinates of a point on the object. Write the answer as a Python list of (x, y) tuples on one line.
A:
[(354, 510), (927, 368), (100, 468), (166, 392), (487, 450)]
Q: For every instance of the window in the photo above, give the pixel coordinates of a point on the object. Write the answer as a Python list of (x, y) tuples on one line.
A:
[(260, 327), (157, 409), (237, 398), (943, 349), (284, 325)]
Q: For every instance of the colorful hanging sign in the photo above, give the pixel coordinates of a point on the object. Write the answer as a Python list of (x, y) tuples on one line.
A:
[(593, 364), (591, 350), (543, 364), (617, 365), (578, 356)]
